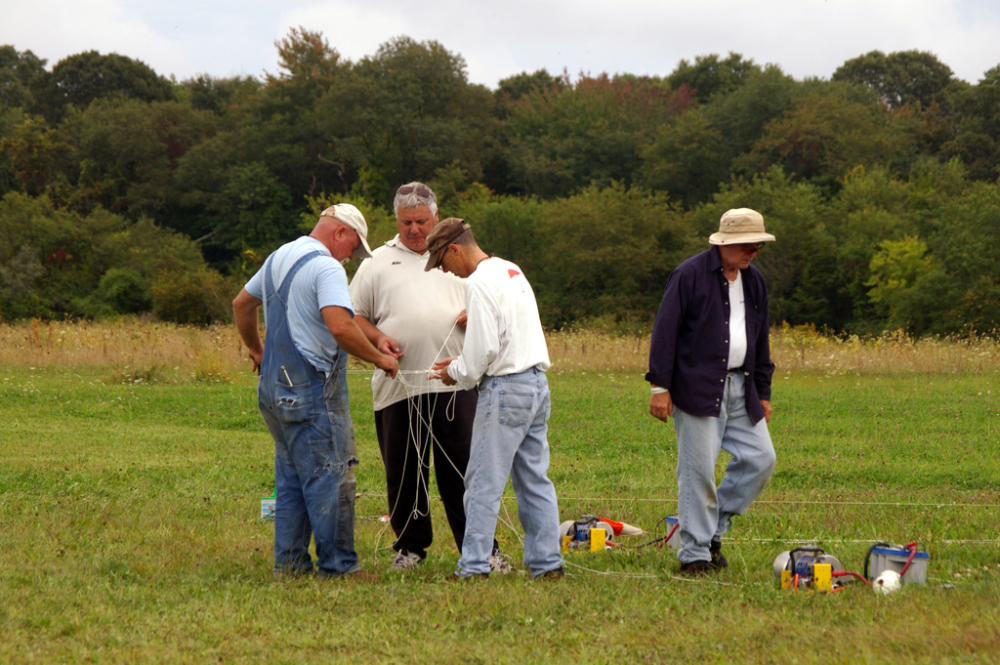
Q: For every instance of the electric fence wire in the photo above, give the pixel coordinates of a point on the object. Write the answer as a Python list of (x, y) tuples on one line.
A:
[(416, 392), (875, 504)]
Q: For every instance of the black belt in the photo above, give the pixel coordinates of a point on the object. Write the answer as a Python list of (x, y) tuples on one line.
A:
[(735, 370)]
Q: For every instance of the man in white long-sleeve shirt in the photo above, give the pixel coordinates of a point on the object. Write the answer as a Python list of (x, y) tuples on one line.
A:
[(506, 355)]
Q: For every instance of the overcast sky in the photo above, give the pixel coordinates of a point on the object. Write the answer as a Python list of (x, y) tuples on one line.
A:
[(498, 39)]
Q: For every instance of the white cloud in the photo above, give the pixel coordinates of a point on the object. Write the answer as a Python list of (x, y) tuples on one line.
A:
[(227, 37), (54, 29), (355, 30)]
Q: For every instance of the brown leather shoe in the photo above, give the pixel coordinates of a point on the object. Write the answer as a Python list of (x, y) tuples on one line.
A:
[(467, 578), (556, 574), (697, 569), (357, 574)]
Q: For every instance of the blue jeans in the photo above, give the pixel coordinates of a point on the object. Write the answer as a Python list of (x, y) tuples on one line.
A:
[(509, 440), (314, 459), (704, 511)]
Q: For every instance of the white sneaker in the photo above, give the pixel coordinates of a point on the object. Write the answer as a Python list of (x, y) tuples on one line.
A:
[(499, 563), (405, 561)]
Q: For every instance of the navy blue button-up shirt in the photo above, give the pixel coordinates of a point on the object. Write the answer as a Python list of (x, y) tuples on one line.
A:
[(689, 351)]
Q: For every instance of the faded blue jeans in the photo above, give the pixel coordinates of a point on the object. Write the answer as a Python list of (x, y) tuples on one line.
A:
[(704, 511), (509, 440)]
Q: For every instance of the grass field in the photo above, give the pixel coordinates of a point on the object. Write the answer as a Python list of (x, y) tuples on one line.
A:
[(133, 460)]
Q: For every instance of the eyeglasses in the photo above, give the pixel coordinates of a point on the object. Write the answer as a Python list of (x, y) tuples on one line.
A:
[(422, 191), (752, 247)]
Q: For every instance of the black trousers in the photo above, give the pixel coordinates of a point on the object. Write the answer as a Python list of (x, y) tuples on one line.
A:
[(406, 430)]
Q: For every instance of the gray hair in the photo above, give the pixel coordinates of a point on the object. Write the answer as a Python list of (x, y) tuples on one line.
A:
[(412, 195)]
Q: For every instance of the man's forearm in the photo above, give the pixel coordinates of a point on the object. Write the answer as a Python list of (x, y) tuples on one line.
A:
[(373, 334), (354, 341), (349, 336), (245, 314)]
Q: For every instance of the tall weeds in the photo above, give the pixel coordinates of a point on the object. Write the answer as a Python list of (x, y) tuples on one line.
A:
[(141, 351)]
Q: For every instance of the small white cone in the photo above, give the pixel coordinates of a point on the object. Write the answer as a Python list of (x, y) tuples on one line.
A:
[(886, 583), (629, 530)]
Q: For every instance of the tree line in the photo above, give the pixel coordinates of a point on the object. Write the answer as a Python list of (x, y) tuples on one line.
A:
[(122, 191)]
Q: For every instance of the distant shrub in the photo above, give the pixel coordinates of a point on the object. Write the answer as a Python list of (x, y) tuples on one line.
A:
[(198, 297)]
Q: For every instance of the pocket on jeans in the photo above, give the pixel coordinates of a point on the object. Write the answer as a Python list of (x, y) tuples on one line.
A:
[(292, 405), (517, 405)]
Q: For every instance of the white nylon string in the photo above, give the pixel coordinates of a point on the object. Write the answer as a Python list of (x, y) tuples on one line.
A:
[(421, 435)]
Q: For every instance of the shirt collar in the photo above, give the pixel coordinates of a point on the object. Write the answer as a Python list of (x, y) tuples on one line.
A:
[(398, 244), (316, 241)]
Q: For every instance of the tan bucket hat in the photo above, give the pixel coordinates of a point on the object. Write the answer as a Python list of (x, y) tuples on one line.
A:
[(740, 225)]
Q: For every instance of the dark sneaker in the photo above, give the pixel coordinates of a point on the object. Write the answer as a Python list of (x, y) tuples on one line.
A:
[(715, 549), (698, 568), (354, 570), (556, 574), (356, 575), (285, 574)]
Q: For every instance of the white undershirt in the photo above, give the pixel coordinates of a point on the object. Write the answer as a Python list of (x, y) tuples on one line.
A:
[(737, 323)]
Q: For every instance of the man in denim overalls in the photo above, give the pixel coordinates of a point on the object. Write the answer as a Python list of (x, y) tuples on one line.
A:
[(303, 388)]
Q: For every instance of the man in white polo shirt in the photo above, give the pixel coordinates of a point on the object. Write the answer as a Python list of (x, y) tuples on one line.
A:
[(419, 317), (505, 354)]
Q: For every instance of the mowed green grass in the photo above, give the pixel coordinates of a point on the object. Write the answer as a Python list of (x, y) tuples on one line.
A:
[(130, 532)]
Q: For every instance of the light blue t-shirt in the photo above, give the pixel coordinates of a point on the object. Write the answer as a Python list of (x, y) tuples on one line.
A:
[(322, 282)]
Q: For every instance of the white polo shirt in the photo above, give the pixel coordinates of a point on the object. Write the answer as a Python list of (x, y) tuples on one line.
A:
[(416, 308)]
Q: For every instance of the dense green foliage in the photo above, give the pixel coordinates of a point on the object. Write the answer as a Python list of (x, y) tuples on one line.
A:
[(880, 183)]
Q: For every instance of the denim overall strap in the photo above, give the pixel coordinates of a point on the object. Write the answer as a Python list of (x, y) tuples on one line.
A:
[(279, 344)]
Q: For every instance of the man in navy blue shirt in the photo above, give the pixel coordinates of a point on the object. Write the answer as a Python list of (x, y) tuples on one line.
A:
[(710, 368)]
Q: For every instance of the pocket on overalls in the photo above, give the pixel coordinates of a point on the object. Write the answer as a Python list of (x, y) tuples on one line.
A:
[(292, 404)]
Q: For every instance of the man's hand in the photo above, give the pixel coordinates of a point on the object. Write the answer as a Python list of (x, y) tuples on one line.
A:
[(380, 341), (661, 406), (256, 357), (440, 371), (245, 313), (463, 318), (388, 346), (387, 363), (766, 405)]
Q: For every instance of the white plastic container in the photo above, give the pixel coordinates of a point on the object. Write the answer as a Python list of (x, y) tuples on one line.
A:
[(675, 540), (889, 558)]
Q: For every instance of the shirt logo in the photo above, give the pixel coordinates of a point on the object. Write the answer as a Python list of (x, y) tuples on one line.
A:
[(513, 273), (396, 263)]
